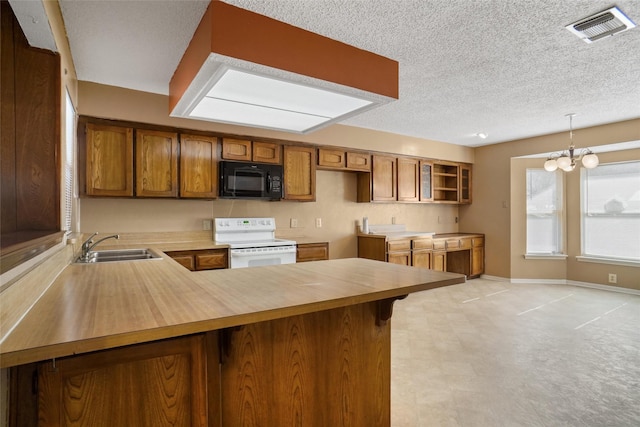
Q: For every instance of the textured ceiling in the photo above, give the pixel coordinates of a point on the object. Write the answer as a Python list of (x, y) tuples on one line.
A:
[(508, 68)]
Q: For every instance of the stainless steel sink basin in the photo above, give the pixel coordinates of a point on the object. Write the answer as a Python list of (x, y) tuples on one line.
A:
[(120, 255)]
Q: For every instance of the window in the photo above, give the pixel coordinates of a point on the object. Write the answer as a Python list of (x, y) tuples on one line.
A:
[(611, 211), (68, 178), (544, 212)]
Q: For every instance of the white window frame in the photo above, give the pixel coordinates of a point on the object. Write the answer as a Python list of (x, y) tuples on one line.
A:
[(599, 258), (558, 213)]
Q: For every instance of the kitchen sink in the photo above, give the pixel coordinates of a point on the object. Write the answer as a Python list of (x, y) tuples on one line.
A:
[(119, 255)]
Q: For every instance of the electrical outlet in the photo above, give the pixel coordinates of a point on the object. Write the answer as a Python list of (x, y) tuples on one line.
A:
[(393, 220), (318, 222), (206, 224), (613, 278), (293, 223)]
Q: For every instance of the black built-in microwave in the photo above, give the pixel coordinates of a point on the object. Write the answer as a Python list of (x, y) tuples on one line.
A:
[(241, 180)]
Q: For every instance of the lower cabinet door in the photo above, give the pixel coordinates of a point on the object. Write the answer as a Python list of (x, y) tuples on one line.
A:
[(421, 259), (162, 383), (439, 262)]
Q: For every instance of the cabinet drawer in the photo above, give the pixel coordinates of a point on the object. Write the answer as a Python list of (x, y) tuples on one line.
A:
[(186, 261), (211, 260), (439, 244), (477, 242), (312, 252), (398, 245), (465, 243), (453, 243), (422, 244)]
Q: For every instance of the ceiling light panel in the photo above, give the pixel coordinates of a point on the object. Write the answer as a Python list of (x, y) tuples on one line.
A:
[(223, 111), (258, 90)]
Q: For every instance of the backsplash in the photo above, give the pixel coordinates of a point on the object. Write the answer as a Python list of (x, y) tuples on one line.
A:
[(335, 204)]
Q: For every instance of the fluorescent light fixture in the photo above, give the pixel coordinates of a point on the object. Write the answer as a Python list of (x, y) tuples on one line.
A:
[(244, 98), (247, 69)]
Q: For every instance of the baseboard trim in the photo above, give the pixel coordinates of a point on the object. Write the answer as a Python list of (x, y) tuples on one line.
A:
[(495, 278), (604, 287), (564, 282)]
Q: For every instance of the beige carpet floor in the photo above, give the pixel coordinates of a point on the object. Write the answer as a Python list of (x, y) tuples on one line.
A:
[(491, 353)]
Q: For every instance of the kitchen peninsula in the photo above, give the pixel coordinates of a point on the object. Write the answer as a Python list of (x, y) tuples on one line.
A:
[(150, 343)]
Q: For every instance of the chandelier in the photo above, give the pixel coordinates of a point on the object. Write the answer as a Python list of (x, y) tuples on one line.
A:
[(567, 159)]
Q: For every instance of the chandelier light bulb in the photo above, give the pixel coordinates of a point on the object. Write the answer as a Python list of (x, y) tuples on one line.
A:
[(550, 165), (590, 160), (564, 162)]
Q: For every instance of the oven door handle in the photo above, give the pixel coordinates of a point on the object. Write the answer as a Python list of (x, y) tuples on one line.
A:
[(241, 253)]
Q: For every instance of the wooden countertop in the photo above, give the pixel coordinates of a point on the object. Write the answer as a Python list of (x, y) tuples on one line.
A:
[(99, 306)]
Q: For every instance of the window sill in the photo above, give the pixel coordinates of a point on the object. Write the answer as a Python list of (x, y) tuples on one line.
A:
[(599, 260), (557, 257)]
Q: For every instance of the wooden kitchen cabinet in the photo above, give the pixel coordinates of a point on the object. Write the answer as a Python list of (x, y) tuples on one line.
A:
[(455, 252), (312, 251), (156, 163), (203, 259), (163, 383), (344, 160), (109, 160), (251, 151), (198, 167), (384, 179), (299, 173), (408, 179)]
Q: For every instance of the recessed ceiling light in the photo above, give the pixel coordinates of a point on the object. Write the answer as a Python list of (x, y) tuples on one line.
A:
[(482, 135)]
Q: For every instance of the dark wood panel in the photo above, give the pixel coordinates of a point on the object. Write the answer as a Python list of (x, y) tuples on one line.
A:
[(7, 123), (320, 369), (157, 384), (37, 121)]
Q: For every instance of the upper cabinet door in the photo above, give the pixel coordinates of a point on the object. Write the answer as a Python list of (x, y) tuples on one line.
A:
[(266, 152), (198, 167), (384, 178), (358, 161), (156, 164), (109, 167), (465, 184), (408, 180), (236, 149), (426, 181), (299, 173)]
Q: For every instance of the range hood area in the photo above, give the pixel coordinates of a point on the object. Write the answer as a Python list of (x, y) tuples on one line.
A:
[(248, 69)]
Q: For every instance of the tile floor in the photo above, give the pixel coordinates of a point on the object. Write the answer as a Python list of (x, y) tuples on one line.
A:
[(491, 353)]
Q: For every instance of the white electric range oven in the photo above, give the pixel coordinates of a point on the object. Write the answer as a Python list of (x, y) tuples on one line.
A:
[(252, 242)]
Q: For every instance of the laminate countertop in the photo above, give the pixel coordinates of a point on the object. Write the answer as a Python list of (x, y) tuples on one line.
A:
[(92, 307)]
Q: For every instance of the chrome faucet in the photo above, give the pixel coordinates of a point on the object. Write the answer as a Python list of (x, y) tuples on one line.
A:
[(90, 244)]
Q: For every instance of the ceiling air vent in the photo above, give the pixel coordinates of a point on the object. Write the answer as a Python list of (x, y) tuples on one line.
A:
[(606, 23)]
